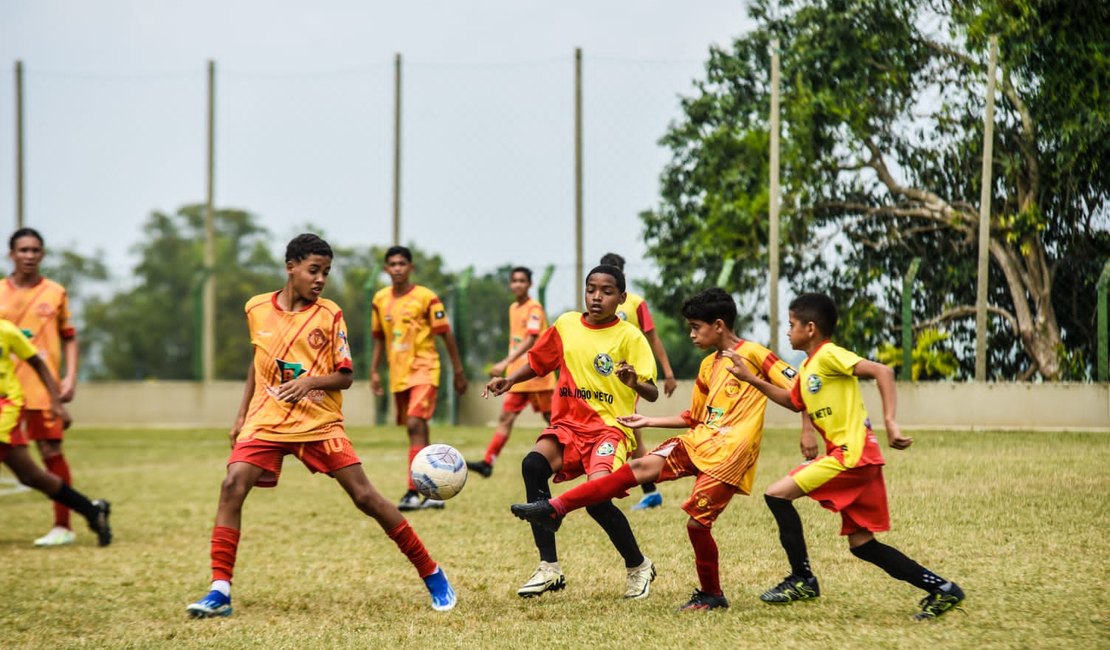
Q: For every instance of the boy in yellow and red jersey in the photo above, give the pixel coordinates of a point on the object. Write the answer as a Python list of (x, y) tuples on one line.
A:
[(13, 444), (292, 404), (849, 478), (405, 320), (40, 308), (526, 323), (605, 366), (720, 447), (635, 310)]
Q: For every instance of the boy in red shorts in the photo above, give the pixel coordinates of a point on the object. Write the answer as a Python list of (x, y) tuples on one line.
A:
[(292, 404), (526, 323), (719, 449), (849, 478)]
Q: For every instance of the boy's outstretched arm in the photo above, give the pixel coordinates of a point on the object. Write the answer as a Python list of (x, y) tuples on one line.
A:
[(884, 380), (743, 372), (639, 421), (501, 385), (56, 406), (456, 361), (498, 368)]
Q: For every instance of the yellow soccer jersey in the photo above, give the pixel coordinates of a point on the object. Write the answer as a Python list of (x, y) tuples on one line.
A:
[(13, 345), (406, 325), (524, 320), (588, 396), (726, 414), (42, 313), (287, 345), (635, 310), (829, 391)]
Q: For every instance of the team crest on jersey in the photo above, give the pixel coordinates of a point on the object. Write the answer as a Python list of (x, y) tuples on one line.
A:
[(606, 449), (289, 370), (621, 315), (44, 310), (789, 373), (813, 383), (603, 364), (316, 339), (732, 388)]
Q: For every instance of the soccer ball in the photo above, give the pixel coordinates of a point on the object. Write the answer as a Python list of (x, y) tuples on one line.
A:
[(438, 471)]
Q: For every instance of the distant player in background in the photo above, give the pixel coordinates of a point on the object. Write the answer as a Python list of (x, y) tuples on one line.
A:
[(40, 308), (635, 310), (605, 366), (292, 404), (719, 449), (13, 444), (849, 478), (526, 323), (404, 321)]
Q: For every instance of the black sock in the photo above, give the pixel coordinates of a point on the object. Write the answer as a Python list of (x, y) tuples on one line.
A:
[(615, 525), (648, 488), (76, 501), (899, 566), (790, 535), (536, 470)]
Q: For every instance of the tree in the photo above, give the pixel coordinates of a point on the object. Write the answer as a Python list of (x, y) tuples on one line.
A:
[(882, 140)]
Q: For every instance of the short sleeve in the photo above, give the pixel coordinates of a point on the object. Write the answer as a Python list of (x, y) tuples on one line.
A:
[(644, 314), (341, 346), (65, 319), (546, 355), (437, 316), (376, 328), (839, 361), (639, 355), (535, 320)]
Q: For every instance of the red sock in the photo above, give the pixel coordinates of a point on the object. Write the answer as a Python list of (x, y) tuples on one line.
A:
[(225, 544), (413, 451), (405, 538), (595, 491), (705, 559), (58, 466), (495, 444)]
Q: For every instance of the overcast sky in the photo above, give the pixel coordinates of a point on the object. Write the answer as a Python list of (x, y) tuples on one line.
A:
[(115, 119)]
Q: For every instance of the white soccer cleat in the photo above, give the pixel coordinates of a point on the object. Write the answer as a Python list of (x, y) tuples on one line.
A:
[(57, 536), (639, 580), (546, 578)]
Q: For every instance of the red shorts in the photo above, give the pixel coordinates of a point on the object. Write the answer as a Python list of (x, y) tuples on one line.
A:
[(324, 456), (710, 496), (857, 493), (604, 453), (40, 424), (415, 402), (540, 401)]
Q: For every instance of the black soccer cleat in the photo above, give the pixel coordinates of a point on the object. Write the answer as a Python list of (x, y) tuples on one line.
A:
[(701, 601), (539, 513), (792, 588), (939, 602), (99, 523), (481, 467)]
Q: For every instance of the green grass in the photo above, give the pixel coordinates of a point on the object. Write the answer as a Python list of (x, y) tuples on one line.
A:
[(1019, 519)]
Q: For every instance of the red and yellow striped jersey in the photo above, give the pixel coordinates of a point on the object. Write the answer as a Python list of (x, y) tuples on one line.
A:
[(726, 414), (635, 310), (42, 312), (14, 345), (589, 397), (829, 391), (524, 320), (287, 345), (407, 325)]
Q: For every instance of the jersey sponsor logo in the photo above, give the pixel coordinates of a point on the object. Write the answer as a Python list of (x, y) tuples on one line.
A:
[(28, 333), (821, 413), (789, 373), (603, 364), (586, 394), (622, 315), (813, 384), (344, 351), (316, 339), (289, 370), (713, 415), (606, 449)]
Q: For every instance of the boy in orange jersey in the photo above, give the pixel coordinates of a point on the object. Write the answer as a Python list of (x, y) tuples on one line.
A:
[(849, 478), (404, 319), (526, 322), (292, 404), (13, 444), (40, 308), (635, 310), (720, 447), (605, 366)]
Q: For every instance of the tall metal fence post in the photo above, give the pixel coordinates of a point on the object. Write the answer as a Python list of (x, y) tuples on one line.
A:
[(459, 319), (1103, 325), (397, 149), (726, 271), (381, 404), (548, 271), (907, 319), (208, 339), (985, 222), (773, 226), (19, 170), (579, 280)]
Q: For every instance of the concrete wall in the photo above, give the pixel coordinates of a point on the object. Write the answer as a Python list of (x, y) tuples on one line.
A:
[(963, 406)]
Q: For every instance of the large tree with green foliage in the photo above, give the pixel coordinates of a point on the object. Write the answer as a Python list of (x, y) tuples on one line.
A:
[(883, 105)]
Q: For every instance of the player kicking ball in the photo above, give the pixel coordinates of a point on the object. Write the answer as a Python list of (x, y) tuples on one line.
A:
[(292, 404)]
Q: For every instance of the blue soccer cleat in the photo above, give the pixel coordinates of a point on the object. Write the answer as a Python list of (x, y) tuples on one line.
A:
[(212, 605), (443, 596), (649, 500)]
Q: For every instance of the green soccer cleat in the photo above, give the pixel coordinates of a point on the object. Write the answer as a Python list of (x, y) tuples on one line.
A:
[(940, 602), (792, 588)]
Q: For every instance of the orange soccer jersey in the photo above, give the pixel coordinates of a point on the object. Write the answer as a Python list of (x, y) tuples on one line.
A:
[(42, 312), (524, 320), (407, 325), (635, 310), (589, 397), (312, 341)]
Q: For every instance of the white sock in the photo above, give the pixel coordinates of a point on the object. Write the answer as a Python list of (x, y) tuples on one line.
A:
[(222, 586)]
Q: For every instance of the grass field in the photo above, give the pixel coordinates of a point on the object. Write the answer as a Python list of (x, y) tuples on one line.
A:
[(1019, 519)]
